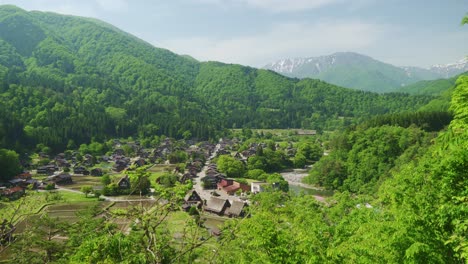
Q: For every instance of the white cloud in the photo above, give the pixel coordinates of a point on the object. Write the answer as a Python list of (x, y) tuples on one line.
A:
[(288, 5), (285, 40), (276, 6)]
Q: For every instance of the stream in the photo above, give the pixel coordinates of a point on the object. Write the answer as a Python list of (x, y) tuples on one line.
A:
[(294, 178)]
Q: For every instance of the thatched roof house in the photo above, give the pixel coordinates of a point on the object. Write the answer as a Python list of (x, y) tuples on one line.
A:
[(236, 209), (217, 205)]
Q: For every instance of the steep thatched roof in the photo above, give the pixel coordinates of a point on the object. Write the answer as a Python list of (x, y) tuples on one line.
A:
[(236, 208), (192, 196), (216, 204)]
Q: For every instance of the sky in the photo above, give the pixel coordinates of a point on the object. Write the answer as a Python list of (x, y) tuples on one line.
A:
[(256, 32)]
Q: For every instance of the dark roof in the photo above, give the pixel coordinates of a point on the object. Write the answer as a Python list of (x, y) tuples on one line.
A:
[(14, 181), (192, 196), (13, 190), (124, 181), (216, 204), (64, 176), (236, 208)]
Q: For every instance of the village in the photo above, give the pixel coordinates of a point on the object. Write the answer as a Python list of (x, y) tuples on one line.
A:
[(108, 177)]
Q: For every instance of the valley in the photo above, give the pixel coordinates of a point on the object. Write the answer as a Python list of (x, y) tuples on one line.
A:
[(113, 150)]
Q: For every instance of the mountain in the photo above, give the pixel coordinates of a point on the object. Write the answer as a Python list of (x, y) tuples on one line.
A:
[(356, 71), (67, 80), (452, 69), (432, 87)]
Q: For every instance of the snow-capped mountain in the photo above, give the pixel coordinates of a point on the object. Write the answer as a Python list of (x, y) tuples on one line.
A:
[(362, 72), (452, 69), (290, 66)]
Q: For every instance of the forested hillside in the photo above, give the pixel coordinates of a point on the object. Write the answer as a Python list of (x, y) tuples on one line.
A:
[(397, 163), (434, 87), (67, 79), (412, 207), (404, 200)]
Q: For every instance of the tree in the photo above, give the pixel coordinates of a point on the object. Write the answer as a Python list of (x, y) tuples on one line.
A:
[(139, 181), (9, 164), (299, 160), (105, 180), (231, 166), (257, 174), (311, 151), (86, 189), (278, 182), (168, 180)]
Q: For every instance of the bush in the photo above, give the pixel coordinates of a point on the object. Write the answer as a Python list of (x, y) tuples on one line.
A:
[(49, 186), (193, 211)]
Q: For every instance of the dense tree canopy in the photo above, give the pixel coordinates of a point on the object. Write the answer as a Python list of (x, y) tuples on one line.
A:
[(64, 77), (9, 164)]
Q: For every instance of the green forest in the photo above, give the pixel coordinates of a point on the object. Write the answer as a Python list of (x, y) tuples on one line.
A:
[(68, 78), (397, 162)]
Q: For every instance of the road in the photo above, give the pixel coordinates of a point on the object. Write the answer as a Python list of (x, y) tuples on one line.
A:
[(197, 184)]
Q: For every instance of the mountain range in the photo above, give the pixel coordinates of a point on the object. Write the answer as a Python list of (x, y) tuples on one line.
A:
[(67, 80), (357, 71)]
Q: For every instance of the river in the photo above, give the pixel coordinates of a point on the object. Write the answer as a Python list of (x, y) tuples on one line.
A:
[(294, 178)]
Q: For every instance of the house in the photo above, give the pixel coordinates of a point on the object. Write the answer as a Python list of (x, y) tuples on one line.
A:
[(217, 205), (31, 182), (256, 187), (62, 163), (26, 175), (13, 193), (139, 162), (62, 178), (121, 163), (223, 152), (119, 152), (230, 187), (192, 198), (47, 169), (88, 160), (124, 182), (211, 181), (24, 183), (80, 170), (224, 183), (236, 209), (15, 182), (249, 152), (305, 132), (185, 178), (96, 172)]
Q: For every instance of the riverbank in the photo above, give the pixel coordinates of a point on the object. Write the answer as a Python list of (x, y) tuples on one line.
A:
[(294, 178)]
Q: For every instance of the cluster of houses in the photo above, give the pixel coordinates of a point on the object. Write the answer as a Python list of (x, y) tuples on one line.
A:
[(214, 205), (16, 187), (215, 180)]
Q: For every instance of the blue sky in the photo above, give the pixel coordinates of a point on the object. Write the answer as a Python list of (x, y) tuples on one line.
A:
[(255, 32)]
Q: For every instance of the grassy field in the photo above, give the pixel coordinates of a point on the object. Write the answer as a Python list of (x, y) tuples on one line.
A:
[(72, 197), (158, 170), (80, 181), (28, 204)]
